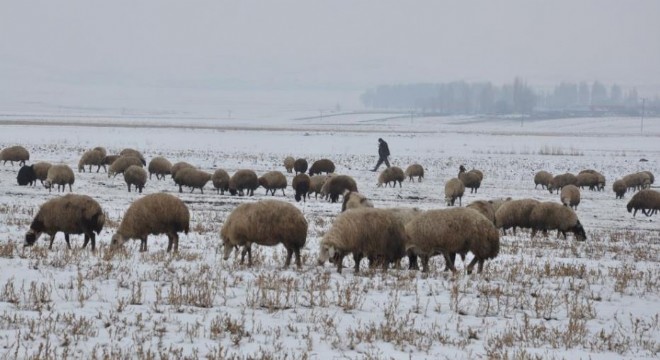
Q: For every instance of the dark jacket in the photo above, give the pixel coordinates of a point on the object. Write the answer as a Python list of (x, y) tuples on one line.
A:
[(383, 149)]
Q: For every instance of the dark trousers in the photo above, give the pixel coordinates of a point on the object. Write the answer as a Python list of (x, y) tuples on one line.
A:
[(380, 161)]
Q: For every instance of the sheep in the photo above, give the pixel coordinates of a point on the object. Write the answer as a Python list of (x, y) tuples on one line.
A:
[(134, 153), (154, 214), (619, 187), (178, 166), (288, 164), (366, 232), (600, 179), (273, 180), (62, 175), (570, 196), (354, 200), (159, 166), (26, 176), (300, 166), (102, 150), (559, 181), (404, 216), (651, 177), (646, 200), (243, 180), (415, 170), (322, 166), (268, 223), (514, 214), (496, 203), (452, 231), (638, 180), (336, 185), (193, 178), (454, 188), (110, 159), (542, 178), (41, 170), (553, 216), (91, 158), (471, 179), (392, 174), (316, 184), (137, 176), (220, 181), (485, 208), (301, 185), (589, 180), (122, 163), (14, 153), (70, 214)]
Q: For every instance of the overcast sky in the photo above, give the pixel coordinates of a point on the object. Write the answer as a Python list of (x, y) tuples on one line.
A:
[(340, 44)]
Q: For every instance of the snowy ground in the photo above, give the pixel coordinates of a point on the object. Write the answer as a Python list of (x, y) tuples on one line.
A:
[(546, 297)]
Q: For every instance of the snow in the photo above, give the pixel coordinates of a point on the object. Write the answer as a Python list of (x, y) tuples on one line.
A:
[(545, 297)]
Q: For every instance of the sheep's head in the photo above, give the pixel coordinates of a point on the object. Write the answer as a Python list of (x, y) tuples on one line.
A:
[(629, 206), (48, 184), (31, 237), (578, 231), (228, 248), (449, 200), (117, 241), (461, 169), (327, 252)]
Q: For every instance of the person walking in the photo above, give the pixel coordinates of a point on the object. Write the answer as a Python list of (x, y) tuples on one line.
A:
[(383, 153)]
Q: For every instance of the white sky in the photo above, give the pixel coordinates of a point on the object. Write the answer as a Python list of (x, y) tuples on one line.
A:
[(325, 44)]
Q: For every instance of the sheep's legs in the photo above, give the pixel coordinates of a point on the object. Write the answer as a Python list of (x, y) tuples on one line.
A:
[(474, 262), (247, 249), (449, 261), (412, 262), (357, 258), (66, 238), (425, 263), (143, 244), (452, 260)]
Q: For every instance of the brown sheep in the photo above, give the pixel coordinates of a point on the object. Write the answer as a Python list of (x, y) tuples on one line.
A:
[(134, 153), (600, 179), (619, 187), (288, 164), (192, 178), (14, 153), (92, 158), (268, 223), (452, 231), (392, 174), (70, 214), (109, 159), (41, 170), (471, 179), (454, 189), (178, 166), (354, 200), (589, 180), (496, 203), (300, 166), (137, 176), (159, 166), (220, 180), (316, 184), (559, 181), (542, 178), (638, 180), (553, 216), (272, 181), (485, 208), (415, 170), (243, 180), (570, 196), (122, 163), (515, 214), (60, 175), (365, 232), (102, 150), (322, 166), (153, 214), (337, 185), (646, 200), (301, 185)]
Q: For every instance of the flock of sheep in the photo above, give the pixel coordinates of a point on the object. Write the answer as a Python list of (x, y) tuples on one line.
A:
[(383, 236)]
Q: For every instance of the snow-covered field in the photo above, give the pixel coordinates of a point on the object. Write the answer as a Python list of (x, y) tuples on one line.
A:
[(546, 297)]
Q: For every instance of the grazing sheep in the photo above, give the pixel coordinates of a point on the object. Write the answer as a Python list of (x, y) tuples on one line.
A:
[(316, 184), (620, 188), (220, 180), (471, 179), (288, 164), (600, 179), (366, 232), (122, 163), (91, 158), (454, 189), (570, 196), (14, 153), (415, 170), (272, 181), (354, 200), (542, 178), (300, 166), (337, 185), (137, 176), (559, 181), (134, 153), (651, 177), (552, 216), (322, 166), (589, 180), (301, 185), (154, 214), (178, 166), (60, 175), (268, 223), (392, 174), (638, 180), (193, 178), (452, 231), (102, 150), (514, 214), (405, 215), (41, 170), (646, 200), (70, 214), (109, 159), (243, 180), (159, 166), (26, 175), (485, 208)]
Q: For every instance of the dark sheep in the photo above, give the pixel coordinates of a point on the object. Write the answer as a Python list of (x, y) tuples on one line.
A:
[(26, 176), (322, 166)]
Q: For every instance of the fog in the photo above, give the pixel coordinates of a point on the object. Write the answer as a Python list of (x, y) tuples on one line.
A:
[(53, 49)]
